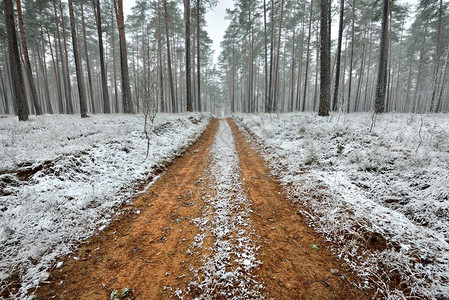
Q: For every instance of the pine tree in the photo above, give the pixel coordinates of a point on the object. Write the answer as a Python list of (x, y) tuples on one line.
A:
[(15, 65)]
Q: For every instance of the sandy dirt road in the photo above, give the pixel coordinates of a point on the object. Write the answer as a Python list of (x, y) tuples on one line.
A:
[(215, 225)]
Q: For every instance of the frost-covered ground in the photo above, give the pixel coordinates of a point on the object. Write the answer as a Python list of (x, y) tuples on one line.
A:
[(380, 191), (63, 177), (226, 269)]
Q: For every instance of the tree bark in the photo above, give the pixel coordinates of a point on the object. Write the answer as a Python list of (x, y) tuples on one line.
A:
[(126, 89), (68, 88), (382, 71), (442, 85), (104, 78), (86, 54), (198, 53), (307, 57), (170, 71), (270, 88), (27, 64), (292, 75), (325, 75), (337, 68), (187, 49), (276, 82), (4, 93), (433, 105), (351, 60), (79, 72), (15, 65), (265, 52), (43, 65)]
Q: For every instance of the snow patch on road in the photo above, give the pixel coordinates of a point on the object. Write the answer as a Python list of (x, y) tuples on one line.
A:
[(63, 177), (226, 272)]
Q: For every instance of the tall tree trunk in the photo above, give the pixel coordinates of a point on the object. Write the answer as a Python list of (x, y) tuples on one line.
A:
[(27, 64), (7, 60), (68, 89), (351, 60), (437, 62), (86, 54), (58, 49), (15, 65), (4, 93), (79, 72), (265, 53), (187, 49), (416, 101), (307, 57), (56, 71), (396, 95), (337, 68), (292, 75), (367, 85), (126, 89), (104, 76), (325, 75), (43, 65), (170, 72), (360, 81), (270, 88), (407, 106), (198, 52), (159, 72), (233, 78), (382, 72), (317, 60), (442, 85), (114, 64), (300, 59), (276, 82)]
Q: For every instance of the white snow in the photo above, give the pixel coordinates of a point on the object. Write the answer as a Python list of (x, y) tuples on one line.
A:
[(80, 172), (363, 180), (226, 271)]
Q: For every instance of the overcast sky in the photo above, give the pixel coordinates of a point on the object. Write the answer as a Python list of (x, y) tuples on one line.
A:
[(216, 23)]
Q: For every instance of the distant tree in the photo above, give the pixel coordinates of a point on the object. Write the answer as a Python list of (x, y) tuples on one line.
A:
[(434, 103), (198, 49), (187, 55), (68, 85), (325, 75), (126, 89), (170, 71), (337, 67), (265, 53), (383, 59), (104, 85), (79, 72), (27, 63), (15, 65), (86, 55), (276, 81), (307, 56), (351, 60)]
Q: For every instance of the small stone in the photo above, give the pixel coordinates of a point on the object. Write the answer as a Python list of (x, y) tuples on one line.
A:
[(335, 272)]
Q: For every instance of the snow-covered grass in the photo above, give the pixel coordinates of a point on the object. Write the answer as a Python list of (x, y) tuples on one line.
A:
[(225, 272), (378, 187), (63, 177)]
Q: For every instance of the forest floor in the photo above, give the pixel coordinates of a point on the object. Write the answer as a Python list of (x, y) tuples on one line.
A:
[(216, 224)]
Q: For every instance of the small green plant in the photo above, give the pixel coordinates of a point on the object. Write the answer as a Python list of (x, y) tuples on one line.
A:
[(314, 247)]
